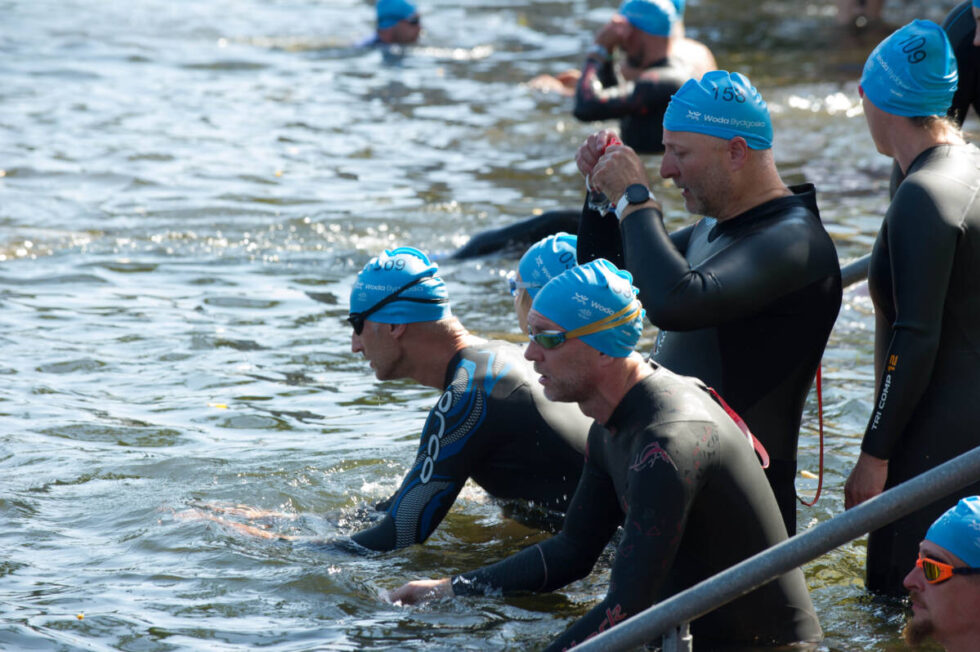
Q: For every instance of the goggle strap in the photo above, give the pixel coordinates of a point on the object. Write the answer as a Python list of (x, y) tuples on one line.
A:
[(612, 321)]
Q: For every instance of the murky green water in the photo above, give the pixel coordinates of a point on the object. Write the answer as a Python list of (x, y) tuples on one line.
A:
[(177, 175)]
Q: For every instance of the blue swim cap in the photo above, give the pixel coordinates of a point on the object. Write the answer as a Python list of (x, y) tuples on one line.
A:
[(723, 104), (546, 259), (912, 72), (389, 272), (958, 530), (590, 293), (654, 17), (392, 11), (679, 8)]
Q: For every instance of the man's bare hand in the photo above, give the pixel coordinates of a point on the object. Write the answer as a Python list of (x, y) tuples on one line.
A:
[(592, 150), (422, 591), (617, 169), (866, 481)]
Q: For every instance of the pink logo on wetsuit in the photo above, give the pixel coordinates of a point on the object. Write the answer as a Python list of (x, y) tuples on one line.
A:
[(648, 457)]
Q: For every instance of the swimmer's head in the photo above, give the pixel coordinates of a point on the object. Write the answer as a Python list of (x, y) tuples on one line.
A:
[(913, 72), (380, 293), (958, 531), (655, 17), (546, 259), (390, 12), (598, 299), (722, 104)]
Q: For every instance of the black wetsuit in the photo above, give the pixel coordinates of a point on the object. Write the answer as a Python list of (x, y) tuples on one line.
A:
[(639, 105), (925, 284), (492, 424), (746, 305), (687, 488), (960, 27)]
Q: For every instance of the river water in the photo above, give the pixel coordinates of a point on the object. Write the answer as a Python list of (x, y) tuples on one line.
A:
[(176, 176)]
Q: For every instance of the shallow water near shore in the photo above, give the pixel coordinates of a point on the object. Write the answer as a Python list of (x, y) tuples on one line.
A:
[(175, 177)]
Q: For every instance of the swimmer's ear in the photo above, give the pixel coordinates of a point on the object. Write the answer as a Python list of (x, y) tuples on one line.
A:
[(397, 330), (738, 152)]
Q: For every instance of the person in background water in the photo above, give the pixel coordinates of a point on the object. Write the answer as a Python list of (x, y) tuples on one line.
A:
[(924, 280), (656, 60), (944, 585), (492, 422), (664, 460), (399, 23), (543, 261), (746, 297)]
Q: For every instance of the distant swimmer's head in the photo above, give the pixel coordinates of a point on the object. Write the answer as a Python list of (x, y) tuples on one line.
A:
[(544, 260), (724, 105), (595, 302), (399, 21), (655, 17), (913, 72), (401, 286)]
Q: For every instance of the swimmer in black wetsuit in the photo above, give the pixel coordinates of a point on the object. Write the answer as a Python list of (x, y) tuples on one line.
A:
[(492, 422), (745, 298), (664, 461), (657, 61), (925, 284)]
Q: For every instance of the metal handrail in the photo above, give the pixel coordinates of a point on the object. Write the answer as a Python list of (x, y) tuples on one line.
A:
[(755, 571), (855, 271)]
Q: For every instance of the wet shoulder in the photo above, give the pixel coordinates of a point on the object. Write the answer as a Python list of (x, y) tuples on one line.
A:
[(941, 187), (495, 368)]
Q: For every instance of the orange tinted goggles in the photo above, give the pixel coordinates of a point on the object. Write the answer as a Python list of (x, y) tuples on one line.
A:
[(937, 572)]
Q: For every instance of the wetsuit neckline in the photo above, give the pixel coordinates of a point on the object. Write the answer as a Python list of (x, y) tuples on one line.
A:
[(928, 153), (805, 194), (622, 414)]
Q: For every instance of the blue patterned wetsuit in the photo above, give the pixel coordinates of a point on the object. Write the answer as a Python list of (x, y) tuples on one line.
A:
[(687, 488), (492, 424)]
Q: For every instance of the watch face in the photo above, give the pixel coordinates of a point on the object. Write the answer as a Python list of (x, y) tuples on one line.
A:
[(637, 194)]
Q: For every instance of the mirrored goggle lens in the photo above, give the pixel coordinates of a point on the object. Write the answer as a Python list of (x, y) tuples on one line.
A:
[(934, 571), (547, 339)]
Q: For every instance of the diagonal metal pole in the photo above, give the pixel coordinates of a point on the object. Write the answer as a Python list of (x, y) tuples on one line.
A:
[(755, 571)]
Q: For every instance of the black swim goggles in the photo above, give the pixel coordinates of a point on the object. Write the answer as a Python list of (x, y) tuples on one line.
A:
[(554, 339), (936, 572), (356, 319)]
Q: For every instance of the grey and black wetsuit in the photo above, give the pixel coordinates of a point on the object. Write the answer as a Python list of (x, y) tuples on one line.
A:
[(924, 280), (639, 106), (746, 305), (678, 475), (492, 424)]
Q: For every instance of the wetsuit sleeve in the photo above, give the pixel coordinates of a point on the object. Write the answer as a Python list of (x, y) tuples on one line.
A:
[(598, 237), (435, 479), (590, 522), (921, 248), (725, 287), (658, 504), (598, 96)]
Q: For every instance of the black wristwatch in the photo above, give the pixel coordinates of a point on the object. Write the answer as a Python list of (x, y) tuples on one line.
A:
[(636, 193)]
